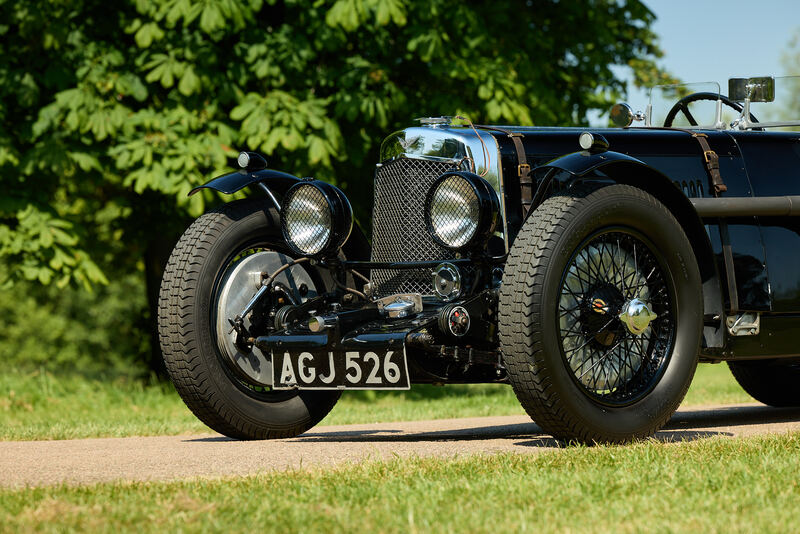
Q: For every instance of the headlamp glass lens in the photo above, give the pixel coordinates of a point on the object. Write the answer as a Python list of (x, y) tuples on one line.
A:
[(454, 211), (308, 219)]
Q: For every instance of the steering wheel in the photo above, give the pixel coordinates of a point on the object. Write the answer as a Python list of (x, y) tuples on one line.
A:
[(682, 106)]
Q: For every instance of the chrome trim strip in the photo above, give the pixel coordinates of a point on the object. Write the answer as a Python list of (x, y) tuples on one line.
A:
[(501, 189)]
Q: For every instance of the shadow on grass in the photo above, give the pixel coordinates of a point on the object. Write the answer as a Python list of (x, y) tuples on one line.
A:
[(511, 431), (506, 432), (534, 437), (670, 436), (732, 416)]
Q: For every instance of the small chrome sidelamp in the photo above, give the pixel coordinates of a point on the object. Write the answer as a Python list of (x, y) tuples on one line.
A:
[(251, 161)]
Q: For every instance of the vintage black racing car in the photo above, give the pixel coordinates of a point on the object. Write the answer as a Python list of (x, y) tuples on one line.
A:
[(591, 269)]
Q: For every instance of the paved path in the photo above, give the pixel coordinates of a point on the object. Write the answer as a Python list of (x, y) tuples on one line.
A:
[(85, 461)]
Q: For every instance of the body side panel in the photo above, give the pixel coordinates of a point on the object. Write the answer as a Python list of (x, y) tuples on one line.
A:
[(678, 157), (773, 165)]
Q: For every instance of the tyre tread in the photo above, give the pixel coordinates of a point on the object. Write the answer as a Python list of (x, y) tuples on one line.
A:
[(520, 321), (177, 331)]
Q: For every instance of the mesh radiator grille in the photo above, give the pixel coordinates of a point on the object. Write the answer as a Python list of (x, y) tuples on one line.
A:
[(398, 225)]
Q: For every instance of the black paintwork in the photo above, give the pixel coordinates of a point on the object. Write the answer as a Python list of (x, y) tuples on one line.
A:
[(766, 250), (234, 181), (668, 163), (772, 162)]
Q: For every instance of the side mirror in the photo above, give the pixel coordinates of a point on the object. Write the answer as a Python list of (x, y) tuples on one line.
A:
[(622, 115), (754, 89)]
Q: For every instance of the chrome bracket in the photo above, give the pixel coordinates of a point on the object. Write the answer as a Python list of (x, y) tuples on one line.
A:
[(744, 324)]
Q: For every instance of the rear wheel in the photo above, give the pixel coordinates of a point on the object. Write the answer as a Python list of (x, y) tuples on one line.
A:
[(214, 270), (601, 315), (772, 382)]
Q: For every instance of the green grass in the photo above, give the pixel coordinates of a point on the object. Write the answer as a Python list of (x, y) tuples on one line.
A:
[(38, 405), (714, 384), (711, 485)]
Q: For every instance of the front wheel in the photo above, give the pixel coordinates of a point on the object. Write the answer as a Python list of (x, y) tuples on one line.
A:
[(601, 315), (214, 270)]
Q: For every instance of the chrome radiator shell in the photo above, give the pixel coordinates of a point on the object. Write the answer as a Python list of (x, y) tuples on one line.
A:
[(412, 159)]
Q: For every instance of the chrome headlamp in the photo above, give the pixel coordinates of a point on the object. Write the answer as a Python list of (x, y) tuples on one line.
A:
[(461, 210), (316, 218)]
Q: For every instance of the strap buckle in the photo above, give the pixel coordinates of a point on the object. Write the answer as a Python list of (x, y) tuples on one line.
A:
[(523, 169), (711, 157)]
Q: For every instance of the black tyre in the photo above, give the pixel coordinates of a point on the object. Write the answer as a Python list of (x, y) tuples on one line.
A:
[(601, 315), (772, 382), (209, 274)]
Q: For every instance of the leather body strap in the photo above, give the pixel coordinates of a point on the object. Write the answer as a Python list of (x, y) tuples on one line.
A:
[(710, 158), (712, 164), (524, 174)]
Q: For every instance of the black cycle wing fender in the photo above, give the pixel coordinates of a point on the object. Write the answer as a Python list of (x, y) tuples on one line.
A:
[(356, 247), (234, 181), (625, 169), (584, 162)]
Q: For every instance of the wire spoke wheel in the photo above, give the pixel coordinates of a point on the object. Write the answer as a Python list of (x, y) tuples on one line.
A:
[(601, 314), (609, 271)]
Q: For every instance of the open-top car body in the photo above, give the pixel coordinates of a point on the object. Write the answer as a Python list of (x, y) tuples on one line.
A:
[(591, 269)]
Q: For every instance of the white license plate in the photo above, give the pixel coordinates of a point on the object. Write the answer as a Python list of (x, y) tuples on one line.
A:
[(340, 369)]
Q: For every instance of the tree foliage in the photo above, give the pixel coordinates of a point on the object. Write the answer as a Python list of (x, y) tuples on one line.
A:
[(787, 90), (67, 330), (113, 111)]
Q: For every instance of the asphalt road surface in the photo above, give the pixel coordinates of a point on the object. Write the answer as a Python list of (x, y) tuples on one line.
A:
[(87, 461)]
